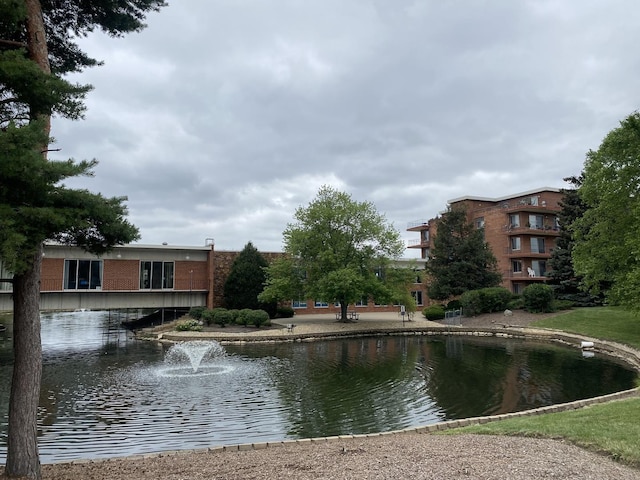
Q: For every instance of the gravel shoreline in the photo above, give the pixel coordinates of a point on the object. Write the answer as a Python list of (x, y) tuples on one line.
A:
[(401, 456)]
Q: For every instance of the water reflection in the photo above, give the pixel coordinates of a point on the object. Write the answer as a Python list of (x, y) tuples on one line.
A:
[(105, 394)]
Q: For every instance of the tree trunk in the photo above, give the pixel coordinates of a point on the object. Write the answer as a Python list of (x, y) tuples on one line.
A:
[(23, 459), (22, 439), (343, 311)]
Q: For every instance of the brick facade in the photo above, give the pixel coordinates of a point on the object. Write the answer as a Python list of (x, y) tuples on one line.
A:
[(521, 231)]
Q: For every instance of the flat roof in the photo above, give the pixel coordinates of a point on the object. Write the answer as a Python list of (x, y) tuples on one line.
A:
[(507, 197)]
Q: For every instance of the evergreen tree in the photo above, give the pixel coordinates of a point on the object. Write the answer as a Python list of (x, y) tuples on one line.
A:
[(461, 260), (246, 281), (562, 277), (36, 48)]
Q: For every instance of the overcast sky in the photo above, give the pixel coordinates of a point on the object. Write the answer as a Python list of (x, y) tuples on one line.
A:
[(224, 116)]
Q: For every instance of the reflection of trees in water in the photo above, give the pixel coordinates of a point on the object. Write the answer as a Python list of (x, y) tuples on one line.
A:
[(484, 377), (350, 386)]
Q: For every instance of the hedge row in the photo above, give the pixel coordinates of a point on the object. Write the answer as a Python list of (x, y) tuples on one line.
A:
[(222, 316)]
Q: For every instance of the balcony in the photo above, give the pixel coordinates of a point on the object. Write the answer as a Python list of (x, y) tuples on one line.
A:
[(527, 205), (528, 253), (418, 225), (545, 230)]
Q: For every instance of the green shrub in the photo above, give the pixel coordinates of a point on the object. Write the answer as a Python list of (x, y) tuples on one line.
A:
[(471, 302), (244, 317), (196, 312), (538, 298), (562, 305), (516, 303), (486, 300), (433, 312), (222, 316), (207, 317), (189, 326), (454, 305), (285, 312), (259, 318)]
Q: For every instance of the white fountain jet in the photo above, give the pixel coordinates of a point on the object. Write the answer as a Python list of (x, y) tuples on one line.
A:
[(194, 352)]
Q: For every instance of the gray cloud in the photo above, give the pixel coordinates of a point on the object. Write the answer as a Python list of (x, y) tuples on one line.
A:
[(221, 118)]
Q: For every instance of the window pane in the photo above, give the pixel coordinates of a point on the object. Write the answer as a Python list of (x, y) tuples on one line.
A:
[(70, 274), (84, 267), (96, 274), (514, 220), (167, 281), (145, 274), (156, 275)]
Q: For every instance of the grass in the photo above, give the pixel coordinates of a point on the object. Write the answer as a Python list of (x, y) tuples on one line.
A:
[(608, 428), (608, 323), (611, 428)]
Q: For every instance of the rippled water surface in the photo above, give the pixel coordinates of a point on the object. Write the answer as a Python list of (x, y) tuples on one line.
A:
[(105, 394)]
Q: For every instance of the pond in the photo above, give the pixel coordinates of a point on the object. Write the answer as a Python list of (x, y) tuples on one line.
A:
[(105, 394)]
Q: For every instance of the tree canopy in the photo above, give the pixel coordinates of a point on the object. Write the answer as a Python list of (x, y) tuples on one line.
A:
[(337, 250), (246, 280), (607, 245), (461, 260)]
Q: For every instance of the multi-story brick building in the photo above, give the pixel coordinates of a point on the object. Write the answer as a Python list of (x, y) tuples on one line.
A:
[(521, 230)]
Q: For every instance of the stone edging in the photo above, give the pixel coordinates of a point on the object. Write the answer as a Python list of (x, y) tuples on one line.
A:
[(612, 349)]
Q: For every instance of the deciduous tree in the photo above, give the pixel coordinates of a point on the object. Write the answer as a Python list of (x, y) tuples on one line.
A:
[(337, 251), (607, 245), (461, 260)]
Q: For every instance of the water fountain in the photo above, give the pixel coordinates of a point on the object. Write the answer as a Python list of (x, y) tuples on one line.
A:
[(191, 354)]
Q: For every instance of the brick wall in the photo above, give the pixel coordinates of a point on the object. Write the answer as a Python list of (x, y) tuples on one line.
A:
[(52, 273), (121, 275)]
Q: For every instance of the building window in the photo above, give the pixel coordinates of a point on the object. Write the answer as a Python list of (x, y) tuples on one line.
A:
[(517, 288), (533, 201), (299, 303), (514, 220), (156, 275), (515, 243), (417, 296), (424, 236), (536, 221), (479, 222), (362, 302), (5, 275), (537, 245), (516, 266), (539, 267), (320, 304), (82, 274)]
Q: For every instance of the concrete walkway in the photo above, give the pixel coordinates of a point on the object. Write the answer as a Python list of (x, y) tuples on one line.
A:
[(317, 325)]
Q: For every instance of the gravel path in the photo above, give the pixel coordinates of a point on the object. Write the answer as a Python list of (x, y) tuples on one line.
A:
[(400, 456)]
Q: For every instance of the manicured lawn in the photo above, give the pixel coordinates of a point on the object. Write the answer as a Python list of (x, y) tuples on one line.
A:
[(612, 428), (610, 323)]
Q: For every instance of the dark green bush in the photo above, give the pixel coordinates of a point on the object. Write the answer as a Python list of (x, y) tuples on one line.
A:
[(259, 318), (485, 300), (207, 316), (562, 305), (471, 302), (285, 312), (538, 298), (196, 312), (433, 312), (454, 305), (189, 326), (244, 316), (516, 303), (222, 316)]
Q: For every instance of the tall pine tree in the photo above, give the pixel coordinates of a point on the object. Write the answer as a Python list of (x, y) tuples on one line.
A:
[(461, 260)]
